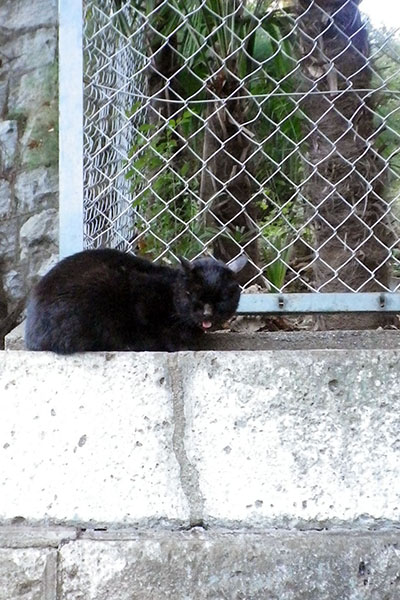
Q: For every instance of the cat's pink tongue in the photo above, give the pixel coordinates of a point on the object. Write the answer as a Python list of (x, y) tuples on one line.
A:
[(206, 324)]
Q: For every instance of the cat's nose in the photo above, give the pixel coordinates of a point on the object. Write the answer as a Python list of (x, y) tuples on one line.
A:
[(207, 311)]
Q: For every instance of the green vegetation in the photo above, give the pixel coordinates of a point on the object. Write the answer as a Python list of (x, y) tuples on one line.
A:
[(385, 48), (216, 51)]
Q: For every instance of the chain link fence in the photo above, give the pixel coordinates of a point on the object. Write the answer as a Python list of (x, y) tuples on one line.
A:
[(268, 128)]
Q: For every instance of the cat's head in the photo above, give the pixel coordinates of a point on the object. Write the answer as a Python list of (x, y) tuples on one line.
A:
[(208, 294)]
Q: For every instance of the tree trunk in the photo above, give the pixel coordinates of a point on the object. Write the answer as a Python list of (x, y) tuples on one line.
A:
[(346, 174)]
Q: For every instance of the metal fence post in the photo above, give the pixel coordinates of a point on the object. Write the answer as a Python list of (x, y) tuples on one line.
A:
[(70, 127)]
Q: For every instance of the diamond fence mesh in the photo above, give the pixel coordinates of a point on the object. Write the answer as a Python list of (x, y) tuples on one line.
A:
[(259, 127)]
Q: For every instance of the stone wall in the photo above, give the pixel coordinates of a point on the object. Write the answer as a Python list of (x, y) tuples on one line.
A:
[(28, 146), (200, 476)]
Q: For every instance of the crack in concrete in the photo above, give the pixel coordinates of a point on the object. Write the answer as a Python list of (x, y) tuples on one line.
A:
[(189, 476)]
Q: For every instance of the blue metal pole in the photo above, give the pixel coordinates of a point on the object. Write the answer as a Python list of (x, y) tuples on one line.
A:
[(70, 127)]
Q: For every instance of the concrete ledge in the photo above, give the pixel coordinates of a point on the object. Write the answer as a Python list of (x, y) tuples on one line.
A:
[(304, 439), (281, 340)]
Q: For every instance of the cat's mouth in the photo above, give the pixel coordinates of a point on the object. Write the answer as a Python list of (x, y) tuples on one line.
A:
[(207, 315)]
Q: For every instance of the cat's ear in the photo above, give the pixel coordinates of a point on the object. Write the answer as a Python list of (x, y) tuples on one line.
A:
[(238, 264), (185, 264)]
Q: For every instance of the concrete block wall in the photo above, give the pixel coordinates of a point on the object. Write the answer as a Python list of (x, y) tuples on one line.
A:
[(213, 474)]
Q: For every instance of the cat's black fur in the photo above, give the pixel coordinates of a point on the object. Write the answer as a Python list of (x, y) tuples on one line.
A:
[(109, 300)]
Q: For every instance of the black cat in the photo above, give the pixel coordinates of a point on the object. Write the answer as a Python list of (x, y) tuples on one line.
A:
[(109, 300)]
